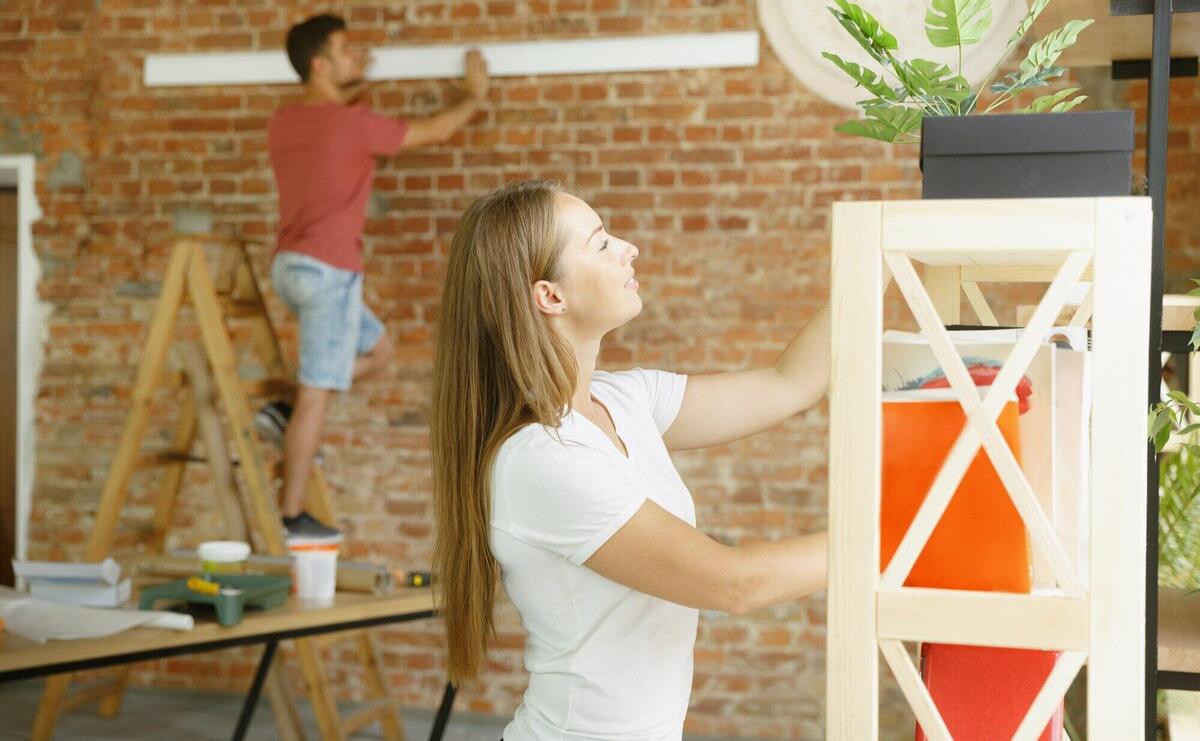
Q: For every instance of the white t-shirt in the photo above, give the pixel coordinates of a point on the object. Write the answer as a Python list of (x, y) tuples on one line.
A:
[(605, 661)]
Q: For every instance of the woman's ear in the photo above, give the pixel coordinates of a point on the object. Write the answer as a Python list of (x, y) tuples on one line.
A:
[(548, 298)]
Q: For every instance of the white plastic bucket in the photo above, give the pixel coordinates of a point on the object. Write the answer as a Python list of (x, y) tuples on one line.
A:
[(314, 569), (223, 556)]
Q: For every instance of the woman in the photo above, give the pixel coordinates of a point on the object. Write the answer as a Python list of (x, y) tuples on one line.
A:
[(555, 477)]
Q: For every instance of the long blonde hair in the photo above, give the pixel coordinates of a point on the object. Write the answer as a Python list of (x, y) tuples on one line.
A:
[(498, 366)]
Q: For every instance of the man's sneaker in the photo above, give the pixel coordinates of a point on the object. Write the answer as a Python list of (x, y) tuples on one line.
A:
[(305, 526), (271, 421)]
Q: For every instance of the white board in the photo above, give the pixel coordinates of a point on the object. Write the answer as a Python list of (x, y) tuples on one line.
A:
[(581, 56)]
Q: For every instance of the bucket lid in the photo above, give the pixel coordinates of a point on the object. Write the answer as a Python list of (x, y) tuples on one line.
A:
[(931, 394), (223, 550)]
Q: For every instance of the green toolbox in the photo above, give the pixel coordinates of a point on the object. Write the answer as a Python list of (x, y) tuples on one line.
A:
[(230, 594)]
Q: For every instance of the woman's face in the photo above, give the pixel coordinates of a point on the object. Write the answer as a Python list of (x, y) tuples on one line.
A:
[(596, 291)]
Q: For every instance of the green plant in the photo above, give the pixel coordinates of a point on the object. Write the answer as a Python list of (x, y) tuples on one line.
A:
[(1178, 482), (926, 88)]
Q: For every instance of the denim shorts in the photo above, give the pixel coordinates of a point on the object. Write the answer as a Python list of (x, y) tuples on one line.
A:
[(335, 325)]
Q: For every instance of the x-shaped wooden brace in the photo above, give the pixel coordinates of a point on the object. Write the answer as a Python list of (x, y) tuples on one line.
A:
[(981, 430)]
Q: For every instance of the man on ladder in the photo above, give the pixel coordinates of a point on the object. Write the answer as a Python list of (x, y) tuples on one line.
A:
[(323, 153)]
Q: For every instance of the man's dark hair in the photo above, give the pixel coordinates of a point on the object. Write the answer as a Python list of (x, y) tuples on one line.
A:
[(307, 39)]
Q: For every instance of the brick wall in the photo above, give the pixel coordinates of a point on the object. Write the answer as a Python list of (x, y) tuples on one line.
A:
[(722, 178)]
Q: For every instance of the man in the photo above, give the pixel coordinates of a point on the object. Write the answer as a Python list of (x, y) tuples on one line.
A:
[(323, 153)]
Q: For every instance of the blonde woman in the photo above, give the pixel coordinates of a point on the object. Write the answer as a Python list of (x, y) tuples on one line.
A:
[(555, 478)]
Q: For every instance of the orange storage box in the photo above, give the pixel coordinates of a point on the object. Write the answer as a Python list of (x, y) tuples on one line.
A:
[(980, 543)]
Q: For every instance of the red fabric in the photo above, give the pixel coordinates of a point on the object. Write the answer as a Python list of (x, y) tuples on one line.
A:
[(323, 155)]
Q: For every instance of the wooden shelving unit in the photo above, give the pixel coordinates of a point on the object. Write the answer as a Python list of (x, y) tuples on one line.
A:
[(1101, 623)]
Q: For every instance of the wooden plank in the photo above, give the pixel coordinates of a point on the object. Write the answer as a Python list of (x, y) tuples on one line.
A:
[(18, 653), (1015, 273), (153, 356), (1178, 630), (591, 55), (979, 305), (914, 690), (101, 688), (852, 665), (374, 710), (1083, 314), (1112, 38), (1050, 696), (215, 445), (54, 694), (287, 718), (368, 651), (1120, 326), (984, 231), (241, 424), (1179, 313), (981, 427), (983, 619), (167, 494), (941, 283), (324, 708)]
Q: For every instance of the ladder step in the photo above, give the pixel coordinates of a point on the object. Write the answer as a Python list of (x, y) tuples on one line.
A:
[(239, 308), (272, 387), (361, 718), (253, 388), (167, 457)]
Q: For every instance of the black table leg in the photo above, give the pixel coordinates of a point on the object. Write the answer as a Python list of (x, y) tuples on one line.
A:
[(251, 701), (443, 714)]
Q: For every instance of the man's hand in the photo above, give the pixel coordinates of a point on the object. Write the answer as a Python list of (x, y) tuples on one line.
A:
[(476, 80)]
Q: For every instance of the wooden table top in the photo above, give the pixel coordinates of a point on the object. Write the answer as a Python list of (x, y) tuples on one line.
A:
[(294, 617)]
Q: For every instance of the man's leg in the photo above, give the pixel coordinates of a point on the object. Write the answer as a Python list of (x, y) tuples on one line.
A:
[(376, 361), (300, 445)]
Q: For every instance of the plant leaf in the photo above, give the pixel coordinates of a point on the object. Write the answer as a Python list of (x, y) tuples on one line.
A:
[(1047, 102), (1035, 9), (957, 22), (1161, 438), (1195, 340), (1067, 105), (863, 76), (1043, 54), (924, 78), (1014, 84), (885, 123), (865, 29), (1182, 399)]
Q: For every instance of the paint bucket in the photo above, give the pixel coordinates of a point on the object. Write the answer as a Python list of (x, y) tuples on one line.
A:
[(314, 568), (980, 543), (223, 556)]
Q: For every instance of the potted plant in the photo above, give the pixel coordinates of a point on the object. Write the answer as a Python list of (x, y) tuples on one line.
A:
[(994, 156)]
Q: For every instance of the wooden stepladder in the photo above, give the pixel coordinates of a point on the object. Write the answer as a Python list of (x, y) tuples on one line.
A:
[(210, 375)]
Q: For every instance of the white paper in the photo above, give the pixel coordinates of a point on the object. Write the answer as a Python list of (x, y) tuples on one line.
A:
[(40, 620)]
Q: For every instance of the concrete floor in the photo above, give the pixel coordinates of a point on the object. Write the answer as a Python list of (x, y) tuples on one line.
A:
[(182, 715), (201, 716)]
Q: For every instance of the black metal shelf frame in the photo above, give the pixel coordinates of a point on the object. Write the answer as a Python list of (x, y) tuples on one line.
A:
[(1160, 68)]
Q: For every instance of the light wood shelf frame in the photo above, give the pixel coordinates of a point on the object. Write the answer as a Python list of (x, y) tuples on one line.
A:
[(1101, 623)]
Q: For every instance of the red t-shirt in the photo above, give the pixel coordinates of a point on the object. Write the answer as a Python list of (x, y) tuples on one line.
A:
[(323, 155)]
